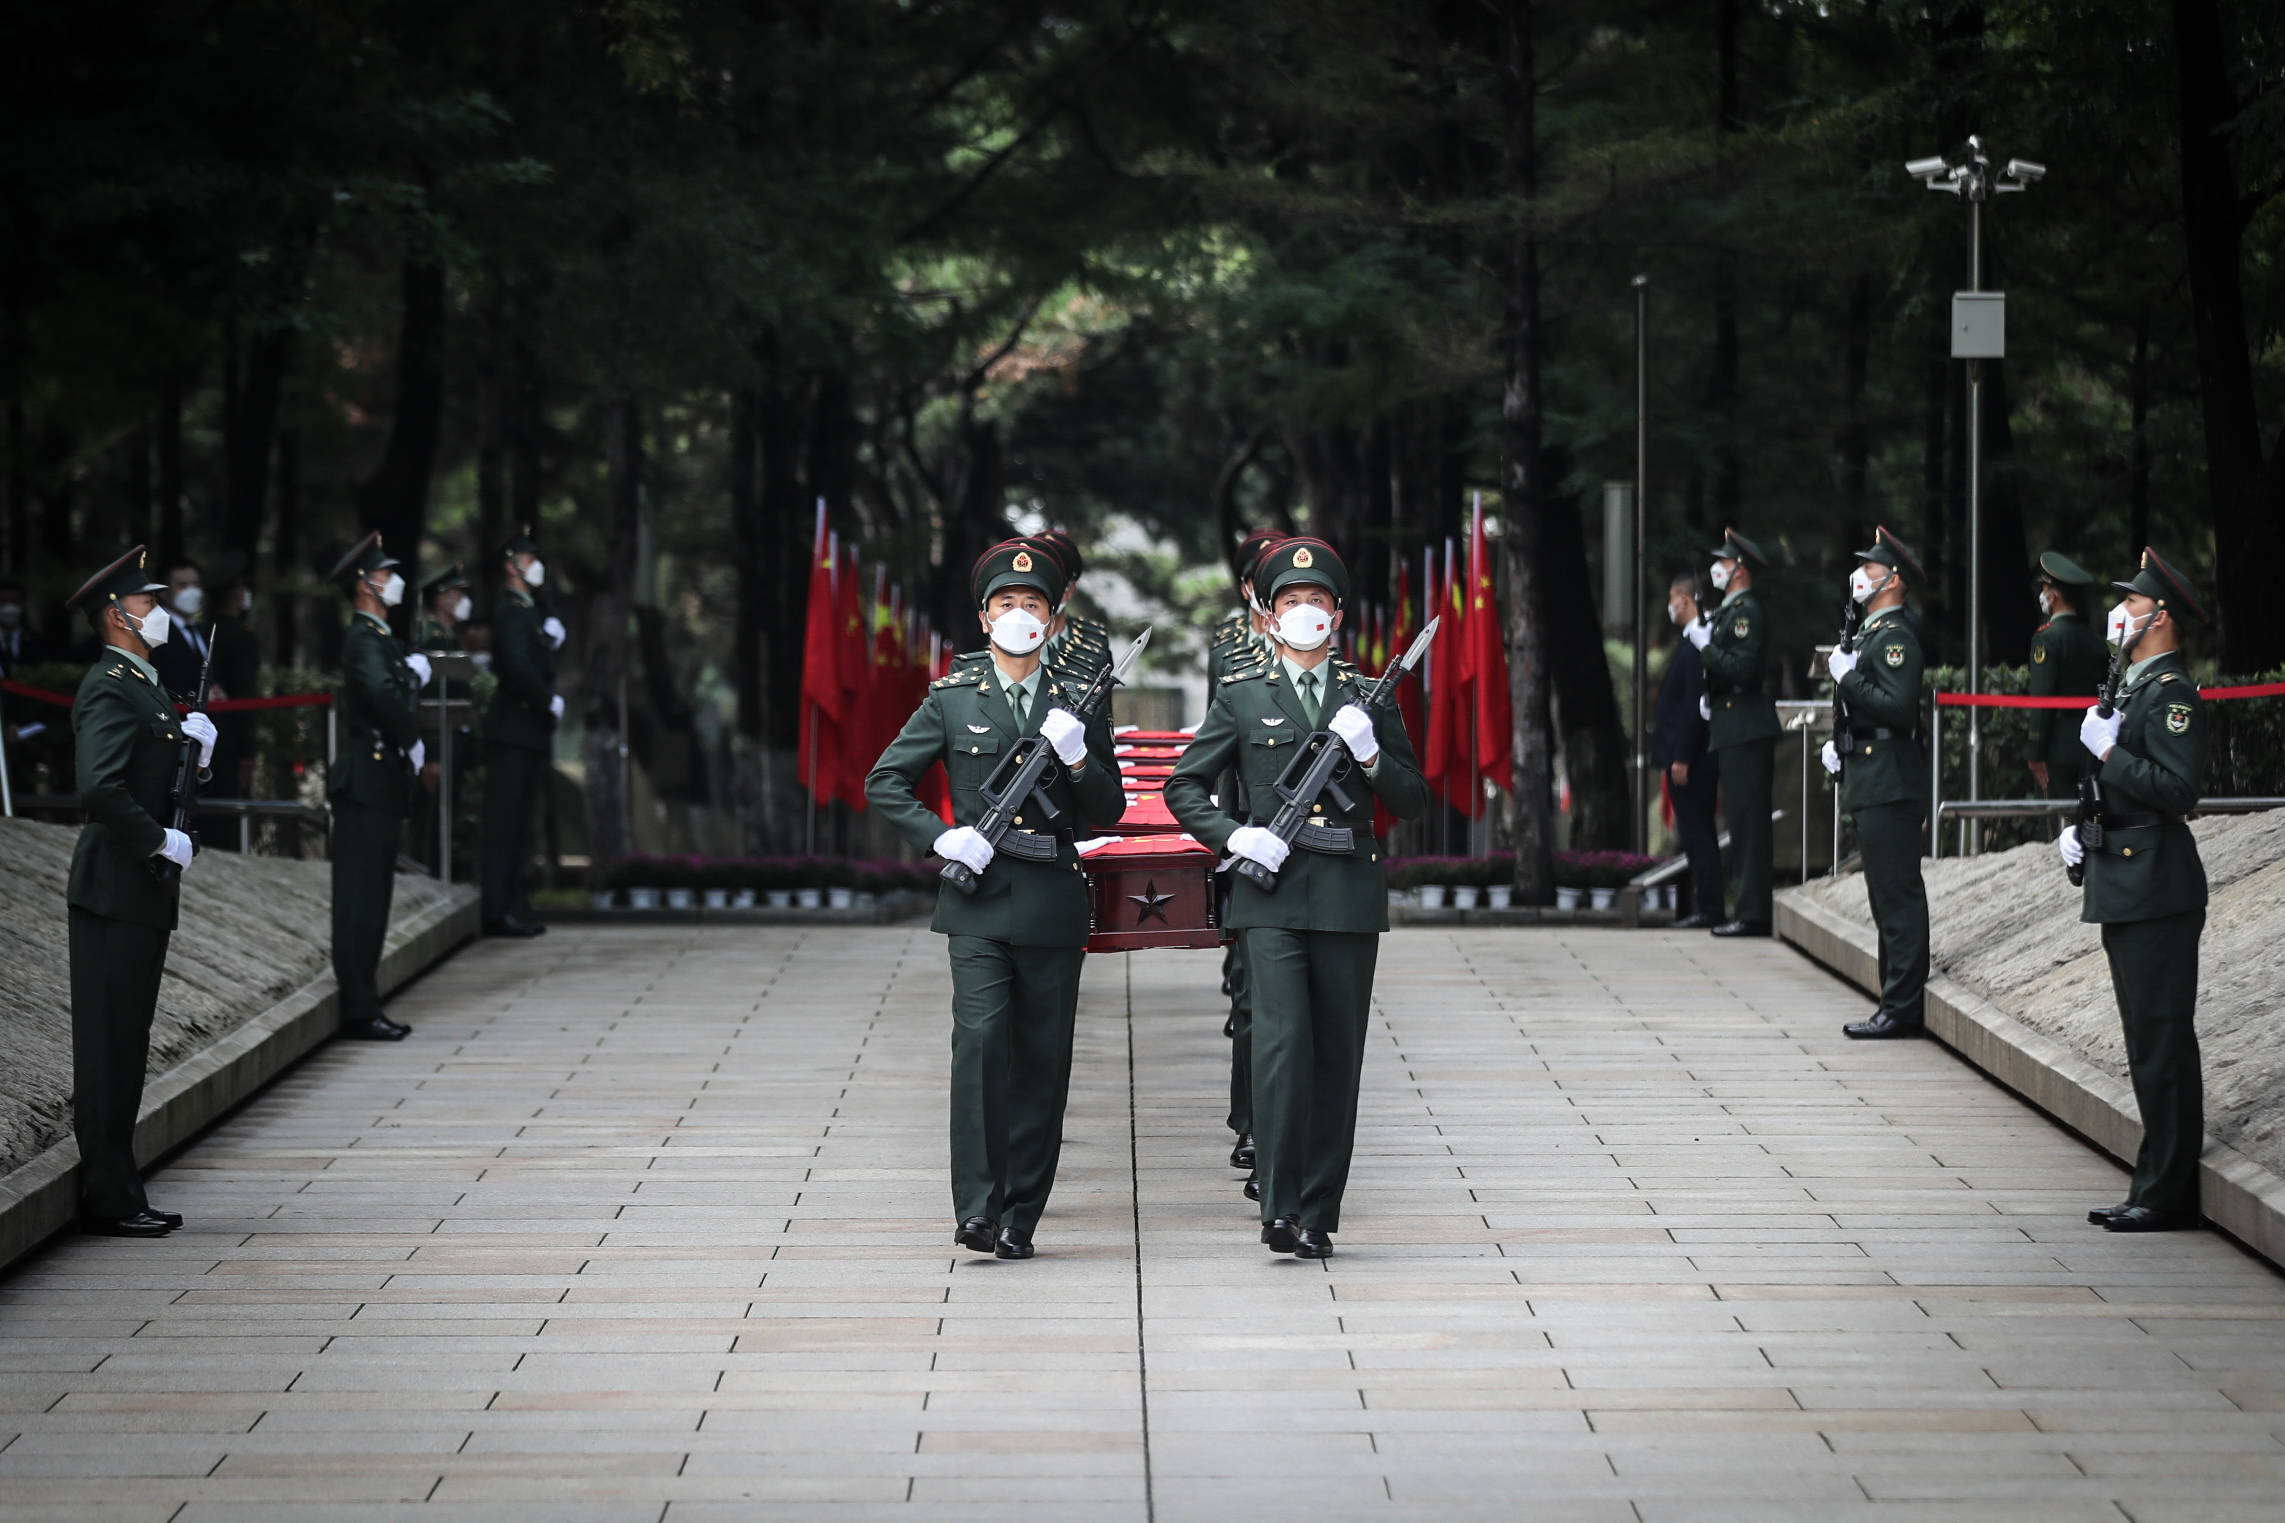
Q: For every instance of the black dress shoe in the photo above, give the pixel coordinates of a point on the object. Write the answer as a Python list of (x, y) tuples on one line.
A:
[(142, 1224), (978, 1234), (1315, 1244), (171, 1218), (1242, 1156), (1281, 1236), (1697, 921), (2100, 1216), (1015, 1243), (1742, 928), (1253, 1187), (1883, 1027), (378, 1029), (2143, 1219), (510, 925)]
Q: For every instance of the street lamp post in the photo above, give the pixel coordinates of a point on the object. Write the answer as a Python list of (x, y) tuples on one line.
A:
[(1641, 560), (1979, 333)]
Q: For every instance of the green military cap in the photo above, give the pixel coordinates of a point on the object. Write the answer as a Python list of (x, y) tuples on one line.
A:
[(445, 579), (2056, 567), (1302, 559), (2162, 582), (1887, 550), (122, 578), (520, 544), (1251, 549), (1066, 550), (1021, 562), (1736, 547), (368, 554)]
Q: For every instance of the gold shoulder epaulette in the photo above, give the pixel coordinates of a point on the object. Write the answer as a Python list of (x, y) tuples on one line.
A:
[(1246, 675)]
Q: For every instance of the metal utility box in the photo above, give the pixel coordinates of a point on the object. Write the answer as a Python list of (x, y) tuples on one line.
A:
[(1979, 325)]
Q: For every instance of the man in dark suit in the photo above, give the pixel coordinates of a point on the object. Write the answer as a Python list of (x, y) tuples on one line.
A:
[(181, 658), (1693, 773)]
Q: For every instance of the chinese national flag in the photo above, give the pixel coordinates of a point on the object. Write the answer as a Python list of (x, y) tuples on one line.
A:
[(934, 791), (1451, 703), (853, 657), (818, 764), (1495, 713), (1401, 635), (890, 689)]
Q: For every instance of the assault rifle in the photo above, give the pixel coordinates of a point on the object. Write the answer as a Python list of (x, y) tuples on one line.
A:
[(1844, 728), (184, 793), (2089, 824), (1020, 781), (1315, 773)]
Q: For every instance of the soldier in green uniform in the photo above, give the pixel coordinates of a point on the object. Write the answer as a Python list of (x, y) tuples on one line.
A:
[(2067, 658), (2146, 888), (124, 886), (445, 606), (1077, 646), (1733, 644), (1310, 947), (1884, 778), (519, 736), (1017, 943), (376, 767)]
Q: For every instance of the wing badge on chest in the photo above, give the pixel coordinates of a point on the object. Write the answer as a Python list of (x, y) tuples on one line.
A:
[(979, 729), (1272, 719)]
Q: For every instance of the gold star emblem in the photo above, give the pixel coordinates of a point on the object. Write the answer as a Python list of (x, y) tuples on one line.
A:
[(1022, 562), (1302, 559)]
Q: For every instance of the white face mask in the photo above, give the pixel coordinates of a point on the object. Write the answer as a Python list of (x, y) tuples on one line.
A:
[(1863, 588), (2123, 631), (154, 626), (189, 601), (1304, 626), (534, 574), (1677, 612), (1018, 632), (392, 591), (2046, 602), (1719, 575), (462, 609)]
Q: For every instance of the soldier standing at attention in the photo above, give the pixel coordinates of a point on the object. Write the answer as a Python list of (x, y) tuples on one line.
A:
[(2146, 888), (125, 886), (445, 606), (1693, 776), (1733, 646), (1310, 947), (371, 786), (1017, 943), (2067, 658), (1884, 778), (519, 736)]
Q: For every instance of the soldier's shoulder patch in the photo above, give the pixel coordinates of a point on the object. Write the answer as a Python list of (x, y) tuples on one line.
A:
[(2038, 653), (1894, 656), (1741, 626), (2178, 718)]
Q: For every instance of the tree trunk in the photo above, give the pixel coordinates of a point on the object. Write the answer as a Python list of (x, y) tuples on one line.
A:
[(2213, 230), (1722, 382), (1935, 502), (394, 499), (2138, 448), (606, 647), (166, 528), (250, 427), (1521, 466), (286, 552), (2007, 605), (1585, 707), (1855, 442), (785, 565)]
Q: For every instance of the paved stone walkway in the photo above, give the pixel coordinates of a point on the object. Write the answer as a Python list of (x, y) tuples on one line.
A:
[(651, 1225)]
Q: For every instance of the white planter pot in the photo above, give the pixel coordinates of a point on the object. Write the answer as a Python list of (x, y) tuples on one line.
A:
[(1502, 896), (809, 898), (642, 898), (1605, 898), (602, 898), (682, 899), (1567, 898), (1464, 896), (1397, 899), (866, 899), (840, 898), (717, 898), (743, 899), (1432, 896), (1667, 896), (780, 898)]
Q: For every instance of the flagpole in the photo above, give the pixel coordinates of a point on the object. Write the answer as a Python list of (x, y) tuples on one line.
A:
[(1476, 706)]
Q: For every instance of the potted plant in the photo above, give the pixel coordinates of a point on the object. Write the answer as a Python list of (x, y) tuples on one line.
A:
[(1468, 880), (1435, 880), (1499, 886), (773, 877), (1570, 880), (604, 880), (641, 875)]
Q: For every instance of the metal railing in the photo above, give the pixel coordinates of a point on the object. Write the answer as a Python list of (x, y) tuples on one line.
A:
[(2002, 809)]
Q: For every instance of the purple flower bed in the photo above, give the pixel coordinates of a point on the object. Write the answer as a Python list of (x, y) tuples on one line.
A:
[(762, 874)]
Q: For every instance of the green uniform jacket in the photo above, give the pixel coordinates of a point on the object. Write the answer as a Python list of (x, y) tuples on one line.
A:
[(2151, 868), (1229, 637), (1255, 725), (1736, 659), (128, 743), (524, 662), (965, 722), (433, 635), (377, 718), (2067, 658), (1883, 693)]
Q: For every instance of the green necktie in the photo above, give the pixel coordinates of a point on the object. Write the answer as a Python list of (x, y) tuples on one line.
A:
[(1015, 701), (1309, 696)]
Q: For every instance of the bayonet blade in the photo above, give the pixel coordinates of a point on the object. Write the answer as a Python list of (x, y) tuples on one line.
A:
[(1120, 667), (1420, 645)]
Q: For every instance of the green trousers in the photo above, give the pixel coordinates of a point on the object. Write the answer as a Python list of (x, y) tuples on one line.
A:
[(115, 969), (364, 881), (1312, 994), (1746, 773), (1241, 1040), (1012, 1014), (1891, 837), (513, 776), (2154, 973)]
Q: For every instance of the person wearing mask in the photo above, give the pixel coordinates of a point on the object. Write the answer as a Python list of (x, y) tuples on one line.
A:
[(182, 658), (2068, 660), (519, 736), (1884, 778), (375, 770), (1691, 772), (1733, 645), (2146, 887), (1018, 942), (1311, 945), (445, 609), (124, 890)]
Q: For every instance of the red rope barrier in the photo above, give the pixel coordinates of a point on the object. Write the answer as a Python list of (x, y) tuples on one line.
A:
[(219, 706)]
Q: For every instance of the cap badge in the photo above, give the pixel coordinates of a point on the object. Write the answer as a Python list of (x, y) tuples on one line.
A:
[(1022, 562), (1302, 559)]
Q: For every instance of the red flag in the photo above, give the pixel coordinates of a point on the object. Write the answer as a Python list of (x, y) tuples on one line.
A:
[(853, 657), (818, 763), (935, 790), (1401, 635), (1495, 713), (1452, 701), (888, 707)]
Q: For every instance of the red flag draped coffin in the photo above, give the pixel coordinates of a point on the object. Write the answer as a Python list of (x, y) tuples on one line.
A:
[(1153, 886)]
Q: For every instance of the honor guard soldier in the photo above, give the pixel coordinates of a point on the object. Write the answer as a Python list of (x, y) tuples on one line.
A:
[(376, 768), (1742, 727), (519, 737), (1884, 777), (1240, 638), (1311, 945), (1077, 646), (2146, 887), (2067, 658), (445, 606), (125, 885), (1016, 943)]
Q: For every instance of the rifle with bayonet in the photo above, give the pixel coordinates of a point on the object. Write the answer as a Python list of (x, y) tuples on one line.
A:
[(1021, 780), (1315, 774), (184, 794), (2089, 823), (1844, 727)]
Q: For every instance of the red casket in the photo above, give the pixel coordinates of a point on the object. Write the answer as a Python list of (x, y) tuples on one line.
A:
[(1150, 891)]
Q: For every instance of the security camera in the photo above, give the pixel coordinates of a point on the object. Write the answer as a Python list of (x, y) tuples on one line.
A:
[(1926, 169), (2029, 171)]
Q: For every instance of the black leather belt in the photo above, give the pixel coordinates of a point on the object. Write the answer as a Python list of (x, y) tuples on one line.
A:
[(2138, 821), (1884, 733)]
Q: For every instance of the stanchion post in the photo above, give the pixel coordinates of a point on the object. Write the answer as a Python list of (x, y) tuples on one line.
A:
[(1935, 774), (7, 793)]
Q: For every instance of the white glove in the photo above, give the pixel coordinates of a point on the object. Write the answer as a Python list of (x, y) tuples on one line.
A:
[(1832, 758), (554, 631), (1841, 663), (1061, 729), (201, 729), (2069, 845), (1698, 632), (555, 705), (2098, 734), (1355, 727), (418, 665), (962, 845), (418, 754), (177, 848), (1705, 707), (1258, 845)]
